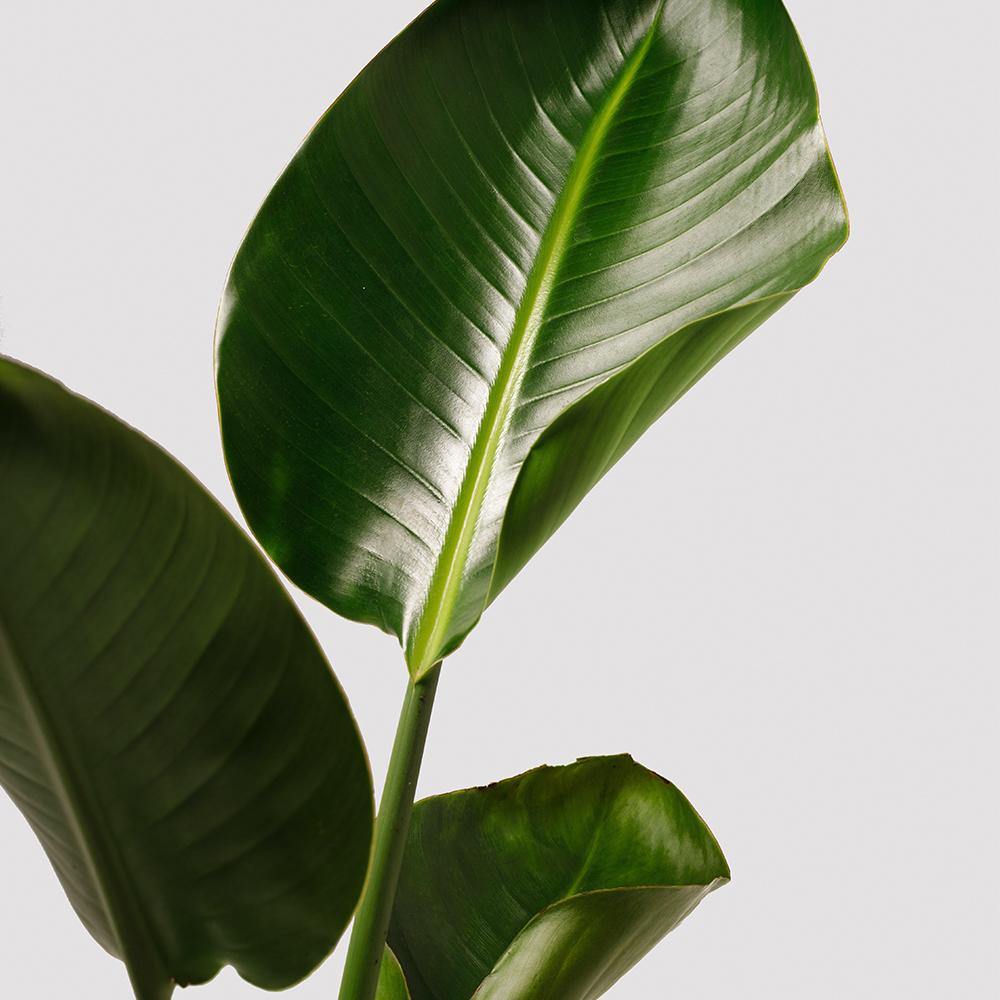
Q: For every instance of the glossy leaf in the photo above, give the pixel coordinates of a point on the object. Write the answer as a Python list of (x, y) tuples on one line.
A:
[(524, 221), (168, 725), (551, 884)]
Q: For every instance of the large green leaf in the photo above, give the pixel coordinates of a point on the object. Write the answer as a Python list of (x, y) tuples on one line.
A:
[(523, 231), (168, 725), (552, 884)]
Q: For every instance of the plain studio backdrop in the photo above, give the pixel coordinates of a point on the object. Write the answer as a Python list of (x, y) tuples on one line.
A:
[(784, 598)]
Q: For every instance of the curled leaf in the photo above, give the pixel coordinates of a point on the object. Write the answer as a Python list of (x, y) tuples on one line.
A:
[(551, 884)]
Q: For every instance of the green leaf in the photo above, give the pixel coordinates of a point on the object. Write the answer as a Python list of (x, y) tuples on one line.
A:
[(551, 884), (525, 229), (391, 982), (168, 725)]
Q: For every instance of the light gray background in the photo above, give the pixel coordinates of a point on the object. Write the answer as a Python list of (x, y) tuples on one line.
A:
[(784, 598)]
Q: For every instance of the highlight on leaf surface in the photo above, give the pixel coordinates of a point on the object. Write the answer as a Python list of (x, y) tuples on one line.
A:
[(551, 884), (524, 230), (168, 725)]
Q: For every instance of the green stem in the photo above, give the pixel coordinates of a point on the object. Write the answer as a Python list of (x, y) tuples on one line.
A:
[(364, 956)]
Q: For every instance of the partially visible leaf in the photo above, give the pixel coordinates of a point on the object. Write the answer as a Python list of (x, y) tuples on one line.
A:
[(391, 983), (551, 884), (168, 725), (525, 220)]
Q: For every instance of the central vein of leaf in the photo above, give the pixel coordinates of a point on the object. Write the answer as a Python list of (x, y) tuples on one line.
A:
[(428, 640), (91, 837)]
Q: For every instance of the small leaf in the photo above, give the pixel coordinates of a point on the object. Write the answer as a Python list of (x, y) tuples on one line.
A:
[(524, 230), (168, 725), (391, 983), (552, 884)]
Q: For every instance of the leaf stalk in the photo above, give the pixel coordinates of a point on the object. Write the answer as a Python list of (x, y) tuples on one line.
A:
[(371, 925)]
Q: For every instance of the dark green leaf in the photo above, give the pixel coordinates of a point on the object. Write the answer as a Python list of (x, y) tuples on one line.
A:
[(552, 884), (524, 215), (168, 725)]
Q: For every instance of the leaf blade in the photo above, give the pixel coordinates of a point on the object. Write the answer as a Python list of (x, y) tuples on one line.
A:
[(168, 725), (511, 206), (553, 883)]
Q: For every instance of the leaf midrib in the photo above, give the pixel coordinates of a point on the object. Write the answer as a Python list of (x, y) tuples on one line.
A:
[(430, 633), (140, 951)]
